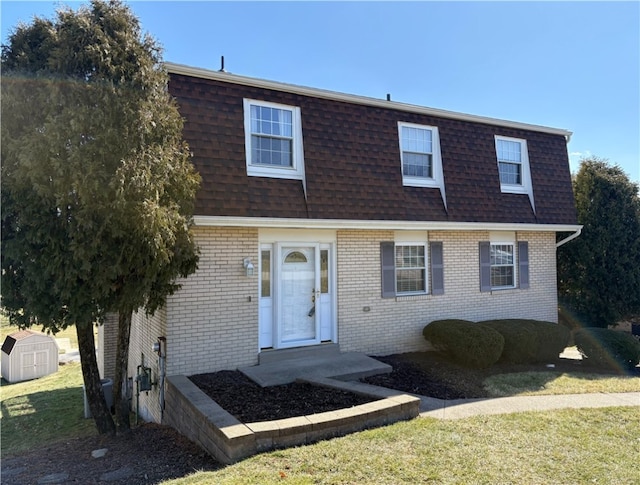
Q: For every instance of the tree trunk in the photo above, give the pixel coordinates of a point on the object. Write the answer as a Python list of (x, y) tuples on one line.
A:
[(120, 400), (91, 376)]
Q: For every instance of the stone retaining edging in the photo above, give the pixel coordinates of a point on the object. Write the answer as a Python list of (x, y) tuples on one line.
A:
[(194, 414)]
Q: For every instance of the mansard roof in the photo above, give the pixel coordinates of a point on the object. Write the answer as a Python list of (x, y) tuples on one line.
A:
[(352, 168)]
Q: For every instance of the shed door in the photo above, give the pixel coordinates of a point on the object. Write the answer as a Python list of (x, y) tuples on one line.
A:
[(34, 364)]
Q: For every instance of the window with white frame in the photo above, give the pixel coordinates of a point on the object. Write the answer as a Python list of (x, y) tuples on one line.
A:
[(420, 155), (273, 140), (510, 161), (408, 269), (411, 269), (504, 263), (502, 266)]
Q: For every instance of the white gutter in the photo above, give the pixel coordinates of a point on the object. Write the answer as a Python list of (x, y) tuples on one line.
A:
[(229, 221), (569, 238), (352, 98)]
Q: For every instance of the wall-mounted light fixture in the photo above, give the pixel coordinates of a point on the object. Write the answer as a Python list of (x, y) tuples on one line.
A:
[(248, 266)]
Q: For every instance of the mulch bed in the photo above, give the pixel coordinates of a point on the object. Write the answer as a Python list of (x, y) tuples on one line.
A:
[(249, 402)]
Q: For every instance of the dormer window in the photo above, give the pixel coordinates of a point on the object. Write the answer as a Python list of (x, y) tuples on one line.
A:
[(420, 159), (273, 140), (513, 167)]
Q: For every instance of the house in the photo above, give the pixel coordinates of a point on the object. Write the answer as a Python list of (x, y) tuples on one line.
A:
[(333, 218)]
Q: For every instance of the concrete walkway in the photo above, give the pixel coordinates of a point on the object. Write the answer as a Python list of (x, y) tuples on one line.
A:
[(464, 408)]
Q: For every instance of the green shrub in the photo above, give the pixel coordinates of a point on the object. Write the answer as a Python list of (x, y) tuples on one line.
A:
[(551, 338), (520, 341), (467, 343), (607, 348)]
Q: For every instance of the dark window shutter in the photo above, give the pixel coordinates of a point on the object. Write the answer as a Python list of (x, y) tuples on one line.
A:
[(485, 266), (523, 264), (388, 261), (437, 268)]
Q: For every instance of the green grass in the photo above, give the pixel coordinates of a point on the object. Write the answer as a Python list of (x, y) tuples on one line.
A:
[(551, 383), (566, 446), (43, 411)]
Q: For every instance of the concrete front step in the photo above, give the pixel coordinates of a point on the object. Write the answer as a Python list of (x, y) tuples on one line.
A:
[(301, 365), (328, 350)]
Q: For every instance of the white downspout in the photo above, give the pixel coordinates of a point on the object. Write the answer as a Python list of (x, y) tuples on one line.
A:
[(569, 238)]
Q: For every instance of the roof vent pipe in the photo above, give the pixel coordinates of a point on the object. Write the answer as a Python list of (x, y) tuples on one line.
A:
[(388, 96), (222, 64)]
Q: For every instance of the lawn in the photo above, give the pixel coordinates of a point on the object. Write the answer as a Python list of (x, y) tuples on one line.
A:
[(553, 383), (567, 446), (44, 410)]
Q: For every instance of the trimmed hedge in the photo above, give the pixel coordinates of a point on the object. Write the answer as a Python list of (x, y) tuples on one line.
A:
[(530, 341), (467, 343), (553, 338), (520, 341), (607, 348)]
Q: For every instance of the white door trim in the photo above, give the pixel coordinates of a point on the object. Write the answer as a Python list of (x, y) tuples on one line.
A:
[(270, 307)]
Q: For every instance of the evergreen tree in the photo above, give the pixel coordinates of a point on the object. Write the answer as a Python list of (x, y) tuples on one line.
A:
[(97, 182), (599, 272)]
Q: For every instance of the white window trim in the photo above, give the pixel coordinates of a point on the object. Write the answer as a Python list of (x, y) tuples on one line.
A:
[(514, 246), (526, 187), (425, 246), (295, 172), (437, 180)]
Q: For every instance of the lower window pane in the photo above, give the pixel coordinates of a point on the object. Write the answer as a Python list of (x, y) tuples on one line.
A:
[(417, 165), (271, 151), (501, 276), (510, 173), (410, 280)]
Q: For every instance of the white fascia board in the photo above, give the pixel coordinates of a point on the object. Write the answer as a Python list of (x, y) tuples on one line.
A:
[(352, 98), (228, 221)]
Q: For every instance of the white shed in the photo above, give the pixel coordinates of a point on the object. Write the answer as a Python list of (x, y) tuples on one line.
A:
[(28, 355)]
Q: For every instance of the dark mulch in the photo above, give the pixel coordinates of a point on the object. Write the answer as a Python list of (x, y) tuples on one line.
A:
[(153, 453), (432, 374), (249, 402)]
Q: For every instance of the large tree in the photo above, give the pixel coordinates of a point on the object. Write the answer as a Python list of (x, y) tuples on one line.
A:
[(599, 272), (97, 182)]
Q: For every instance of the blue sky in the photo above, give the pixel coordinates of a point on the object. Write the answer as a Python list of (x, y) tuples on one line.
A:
[(571, 65)]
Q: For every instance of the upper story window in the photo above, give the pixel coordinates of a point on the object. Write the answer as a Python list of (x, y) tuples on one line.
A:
[(417, 152), (420, 155), (273, 140), (510, 154), (513, 166)]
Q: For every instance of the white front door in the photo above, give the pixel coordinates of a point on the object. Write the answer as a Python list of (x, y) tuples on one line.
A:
[(297, 294), (299, 286)]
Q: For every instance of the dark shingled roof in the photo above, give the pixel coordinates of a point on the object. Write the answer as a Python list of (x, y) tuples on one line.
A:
[(11, 340), (352, 163)]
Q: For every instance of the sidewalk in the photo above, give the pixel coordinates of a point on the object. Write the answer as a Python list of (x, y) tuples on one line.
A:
[(464, 408)]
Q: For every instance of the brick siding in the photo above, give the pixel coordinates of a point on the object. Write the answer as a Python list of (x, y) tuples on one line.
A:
[(213, 319), (395, 324)]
